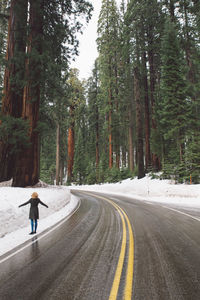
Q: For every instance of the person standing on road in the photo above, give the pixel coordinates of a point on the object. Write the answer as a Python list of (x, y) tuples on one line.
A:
[(34, 212)]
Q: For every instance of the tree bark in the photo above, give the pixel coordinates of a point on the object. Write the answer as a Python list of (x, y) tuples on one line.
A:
[(155, 159), (97, 139), (130, 133), (117, 137), (57, 154), (110, 124), (110, 139), (146, 115), (13, 79), (124, 156), (139, 127), (171, 10), (70, 160), (27, 170), (97, 124)]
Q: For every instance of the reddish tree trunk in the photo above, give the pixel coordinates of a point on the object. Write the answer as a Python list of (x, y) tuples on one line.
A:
[(15, 57), (13, 78), (27, 170)]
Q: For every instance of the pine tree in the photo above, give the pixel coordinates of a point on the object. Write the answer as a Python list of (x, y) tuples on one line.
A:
[(94, 125), (76, 97), (82, 159), (108, 49), (174, 106), (154, 26), (126, 86)]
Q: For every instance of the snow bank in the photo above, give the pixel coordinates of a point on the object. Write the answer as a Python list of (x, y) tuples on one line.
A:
[(152, 190), (14, 221), (11, 216), (15, 225)]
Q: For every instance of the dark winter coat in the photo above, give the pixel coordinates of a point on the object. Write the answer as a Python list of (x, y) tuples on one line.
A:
[(34, 212)]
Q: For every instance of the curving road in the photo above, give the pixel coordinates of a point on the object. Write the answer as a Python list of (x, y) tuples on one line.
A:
[(112, 247)]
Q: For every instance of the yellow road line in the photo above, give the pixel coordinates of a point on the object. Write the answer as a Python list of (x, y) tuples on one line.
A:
[(129, 273), (118, 272)]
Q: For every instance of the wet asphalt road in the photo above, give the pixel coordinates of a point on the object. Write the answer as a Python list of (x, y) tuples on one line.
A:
[(79, 259)]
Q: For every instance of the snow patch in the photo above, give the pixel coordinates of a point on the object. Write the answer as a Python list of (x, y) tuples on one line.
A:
[(15, 225)]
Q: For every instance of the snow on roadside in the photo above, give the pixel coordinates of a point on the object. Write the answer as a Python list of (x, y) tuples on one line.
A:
[(152, 190), (14, 221), (11, 216), (15, 225)]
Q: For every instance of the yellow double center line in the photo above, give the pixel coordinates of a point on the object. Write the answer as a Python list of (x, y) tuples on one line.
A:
[(129, 271)]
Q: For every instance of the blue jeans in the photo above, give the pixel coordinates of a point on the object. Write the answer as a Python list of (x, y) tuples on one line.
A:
[(32, 225)]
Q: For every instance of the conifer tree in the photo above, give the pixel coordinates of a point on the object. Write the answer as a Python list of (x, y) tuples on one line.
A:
[(27, 167), (139, 127), (174, 106), (76, 97), (12, 101), (47, 18), (108, 48), (126, 83), (82, 159), (94, 126)]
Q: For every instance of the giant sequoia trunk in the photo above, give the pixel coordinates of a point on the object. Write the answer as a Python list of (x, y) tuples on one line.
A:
[(139, 127), (13, 79), (27, 169)]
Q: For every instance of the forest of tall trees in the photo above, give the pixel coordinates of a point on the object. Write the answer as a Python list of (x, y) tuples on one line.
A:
[(138, 113)]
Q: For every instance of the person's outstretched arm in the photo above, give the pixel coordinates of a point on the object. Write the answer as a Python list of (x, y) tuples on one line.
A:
[(43, 203), (24, 203)]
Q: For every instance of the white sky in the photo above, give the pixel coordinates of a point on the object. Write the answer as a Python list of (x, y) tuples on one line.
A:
[(88, 48)]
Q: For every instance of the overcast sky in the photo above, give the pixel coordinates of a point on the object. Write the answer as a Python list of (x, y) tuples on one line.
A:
[(88, 48)]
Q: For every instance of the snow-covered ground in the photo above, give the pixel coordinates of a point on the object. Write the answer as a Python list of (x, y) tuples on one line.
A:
[(15, 225)]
